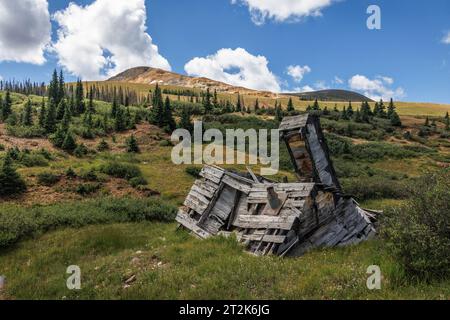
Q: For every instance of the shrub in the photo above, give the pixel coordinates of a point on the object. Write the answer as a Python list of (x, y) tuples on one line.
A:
[(102, 146), (17, 222), (418, 232), (48, 179), (193, 171), (121, 170), (2, 147), (80, 151), (138, 181), (25, 132), (87, 188), (165, 143), (70, 174), (90, 175), (132, 144), (32, 159), (11, 183)]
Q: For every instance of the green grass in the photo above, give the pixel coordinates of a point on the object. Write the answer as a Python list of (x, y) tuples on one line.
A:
[(170, 264)]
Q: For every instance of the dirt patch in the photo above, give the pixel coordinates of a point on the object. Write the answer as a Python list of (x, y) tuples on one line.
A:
[(146, 134), (65, 190), (24, 143)]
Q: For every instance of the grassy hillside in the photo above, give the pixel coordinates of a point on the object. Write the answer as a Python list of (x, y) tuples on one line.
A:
[(170, 264), (268, 100), (373, 161)]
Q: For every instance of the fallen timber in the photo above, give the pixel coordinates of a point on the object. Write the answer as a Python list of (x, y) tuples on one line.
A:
[(284, 219)]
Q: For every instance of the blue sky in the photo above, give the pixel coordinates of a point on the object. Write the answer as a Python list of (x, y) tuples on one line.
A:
[(408, 58)]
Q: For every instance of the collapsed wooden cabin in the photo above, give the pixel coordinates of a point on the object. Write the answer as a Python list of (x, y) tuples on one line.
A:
[(280, 218)]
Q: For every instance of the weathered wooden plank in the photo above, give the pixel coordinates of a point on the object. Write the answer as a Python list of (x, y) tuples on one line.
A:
[(236, 184), (205, 188), (211, 177), (214, 171), (195, 205), (263, 238), (191, 224), (267, 222), (200, 197)]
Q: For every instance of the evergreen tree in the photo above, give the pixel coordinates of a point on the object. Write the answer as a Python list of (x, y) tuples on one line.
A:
[(358, 117), (316, 105), (11, 182), (61, 87), (391, 109), (366, 112), (169, 121), (79, 98), (158, 107), (91, 107), (53, 88), (7, 106), (69, 143), (239, 103), (278, 112), (120, 121), (132, 144), (344, 115), (105, 123), (27, 117), (215, 100), (256, 105), (290, 106), (114, 107), (61, 109), (395, 119), (50, 117), (207, 105), (185, 120), (350, 111), (42, 114), (67, 117)]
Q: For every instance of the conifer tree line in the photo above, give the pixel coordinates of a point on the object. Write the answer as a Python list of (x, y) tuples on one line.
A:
[(363, 114), (24, 87)]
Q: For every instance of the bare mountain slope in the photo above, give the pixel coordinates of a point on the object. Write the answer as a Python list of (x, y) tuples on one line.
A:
[(148, 75)]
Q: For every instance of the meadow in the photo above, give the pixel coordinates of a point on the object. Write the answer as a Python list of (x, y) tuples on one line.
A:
[(111, 212)]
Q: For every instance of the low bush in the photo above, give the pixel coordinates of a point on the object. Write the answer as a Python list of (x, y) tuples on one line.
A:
[(25, 132), (48, 179), (193, 171), (17, 222), (121, 170), (418, 232), (138, 181), (87, 188)]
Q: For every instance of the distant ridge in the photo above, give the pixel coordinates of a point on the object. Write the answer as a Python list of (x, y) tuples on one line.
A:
[(148, 75), (332, 95), (151, 76)]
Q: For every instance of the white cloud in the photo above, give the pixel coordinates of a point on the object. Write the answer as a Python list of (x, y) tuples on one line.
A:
[(304, 89), (105, 38), (446, 38), (236, 67), (298, 72), (283, 10), (378, 88), (25, 30)]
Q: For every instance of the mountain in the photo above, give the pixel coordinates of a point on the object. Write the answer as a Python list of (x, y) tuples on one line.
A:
[(332, 95), (148, 75)]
